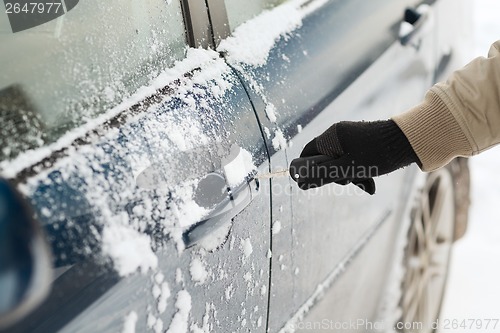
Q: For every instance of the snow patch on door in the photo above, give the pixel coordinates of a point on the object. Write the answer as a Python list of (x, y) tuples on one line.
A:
[(129, 323), (180, 322), (237, 166), (129, 249)]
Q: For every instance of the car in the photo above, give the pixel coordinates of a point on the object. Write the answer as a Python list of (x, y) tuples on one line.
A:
[(142, 162)]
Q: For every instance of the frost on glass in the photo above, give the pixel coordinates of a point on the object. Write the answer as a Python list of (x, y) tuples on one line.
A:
[(239, 11), (133, 189), (58, 75)]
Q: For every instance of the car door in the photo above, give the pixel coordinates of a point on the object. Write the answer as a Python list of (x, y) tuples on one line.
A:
[(319, 63), (137, 155)]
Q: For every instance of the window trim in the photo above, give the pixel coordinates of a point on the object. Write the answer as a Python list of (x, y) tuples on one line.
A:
[(206, 22), (219, 20)]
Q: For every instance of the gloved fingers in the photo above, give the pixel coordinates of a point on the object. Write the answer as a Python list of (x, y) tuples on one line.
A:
[(367, 185), (325, 167), (308, 167), (315, 171), (310, 149), (310, 183), (306, 173)]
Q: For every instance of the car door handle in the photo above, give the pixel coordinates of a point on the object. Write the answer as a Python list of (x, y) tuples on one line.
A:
[(414, 20), (228, 206)]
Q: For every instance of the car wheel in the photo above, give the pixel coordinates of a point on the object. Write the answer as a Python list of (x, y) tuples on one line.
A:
[(427, 254)]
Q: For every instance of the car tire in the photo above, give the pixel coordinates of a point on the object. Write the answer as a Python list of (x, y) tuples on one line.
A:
[(437, 220)]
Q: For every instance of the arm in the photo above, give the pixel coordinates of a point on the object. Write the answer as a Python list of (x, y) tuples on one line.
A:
[(459, 117)]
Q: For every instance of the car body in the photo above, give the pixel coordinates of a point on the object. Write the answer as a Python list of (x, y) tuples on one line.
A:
[(144, 160)]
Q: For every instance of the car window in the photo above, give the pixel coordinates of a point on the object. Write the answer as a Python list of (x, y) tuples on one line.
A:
[(58, 75), (239, 11)]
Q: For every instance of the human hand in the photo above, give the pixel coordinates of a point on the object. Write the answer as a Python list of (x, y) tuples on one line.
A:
[(352, 152)]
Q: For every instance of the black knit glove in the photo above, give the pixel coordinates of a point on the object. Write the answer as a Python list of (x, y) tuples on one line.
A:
[(353, 152)]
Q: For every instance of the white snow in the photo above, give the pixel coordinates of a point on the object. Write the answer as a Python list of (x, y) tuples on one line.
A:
[(206, 327), (299, 128), (163, 297), (124, 240), (187, 210), (237, 165), (158, 326), (46, 212), (246, 247), (405, 28), (196, 58), (179, 278), (229, 292), (159, 277), (276, 227), (180, 323), (109, 93), (216, 238), (271, 112), (185, 135), (129, 323), (279, 141), (156, 291), (150, 321), (129, 249), (198, 271), (252, 41), (231, 243), (221, 273), (423, 9), (267, 132), (247, 277)]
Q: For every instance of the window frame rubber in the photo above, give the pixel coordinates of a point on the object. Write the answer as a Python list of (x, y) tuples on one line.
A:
[(197, 22)]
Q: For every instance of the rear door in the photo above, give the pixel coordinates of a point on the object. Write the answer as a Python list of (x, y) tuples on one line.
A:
[(309, 64), (137, 155)]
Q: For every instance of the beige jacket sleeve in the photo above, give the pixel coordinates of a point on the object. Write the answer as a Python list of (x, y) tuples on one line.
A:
[(459, 117)]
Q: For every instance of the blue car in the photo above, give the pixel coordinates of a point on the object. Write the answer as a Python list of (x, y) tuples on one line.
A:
[(143, 161)]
